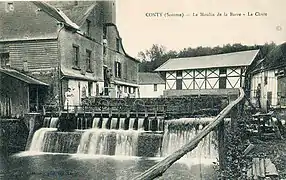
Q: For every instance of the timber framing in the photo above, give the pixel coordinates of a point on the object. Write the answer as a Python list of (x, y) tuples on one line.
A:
[(208, 78)]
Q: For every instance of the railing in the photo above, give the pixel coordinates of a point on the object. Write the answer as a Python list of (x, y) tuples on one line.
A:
[(162, 166), (167, 107)]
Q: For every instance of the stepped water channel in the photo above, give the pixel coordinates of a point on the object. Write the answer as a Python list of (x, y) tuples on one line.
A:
[(115, 148)]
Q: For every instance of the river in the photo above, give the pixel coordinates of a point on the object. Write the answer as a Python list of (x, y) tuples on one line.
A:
[(52, 166)]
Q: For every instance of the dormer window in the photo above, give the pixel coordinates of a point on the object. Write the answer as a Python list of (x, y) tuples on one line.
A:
[(117, 44), (9, 6)]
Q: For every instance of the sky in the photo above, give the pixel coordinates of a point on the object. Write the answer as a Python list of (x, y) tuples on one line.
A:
[(139, 31)]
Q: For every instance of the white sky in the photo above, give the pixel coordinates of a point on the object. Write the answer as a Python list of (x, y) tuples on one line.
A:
[(139, 32)]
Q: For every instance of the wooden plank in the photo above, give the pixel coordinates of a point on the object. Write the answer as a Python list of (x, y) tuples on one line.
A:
[(270, 168), (262, 167), (256, 169), (162, 166)]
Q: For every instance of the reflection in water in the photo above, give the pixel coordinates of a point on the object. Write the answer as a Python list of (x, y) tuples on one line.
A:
[(88, 167), (3, 163), (93, 149)]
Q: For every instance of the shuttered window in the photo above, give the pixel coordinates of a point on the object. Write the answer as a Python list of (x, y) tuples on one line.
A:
[(88, 61), (117, 69), (75, 56), (5, 60)]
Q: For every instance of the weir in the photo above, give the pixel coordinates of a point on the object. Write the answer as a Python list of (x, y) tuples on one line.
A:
[(126, 134), (179, 132), (127, 137)]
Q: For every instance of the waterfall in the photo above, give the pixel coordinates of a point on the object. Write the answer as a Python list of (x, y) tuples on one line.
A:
[(179, 132), (122, 123), (54, 122), (140, 123), (37, 143), (95, 122), (131, 123), (104, 123), (109, 142), (113, 123), (46, 122)]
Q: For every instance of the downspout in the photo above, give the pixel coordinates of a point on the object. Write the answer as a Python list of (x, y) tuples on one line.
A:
[(60, 99)]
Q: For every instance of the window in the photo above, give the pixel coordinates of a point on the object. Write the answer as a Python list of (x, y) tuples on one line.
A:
[(179, 74), (117, 69), (104, 50), (97, 89), (90, 87), (75, 56), (222, 71), (104, 32), (155, 87), (88, 27), (117, 44), (9, 7), (179, 84), (222, 82), (88, 61), (5, 60)]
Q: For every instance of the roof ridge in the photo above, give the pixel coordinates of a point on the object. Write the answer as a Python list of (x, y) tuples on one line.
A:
[(217, 54), (87, 13), (239, 58)]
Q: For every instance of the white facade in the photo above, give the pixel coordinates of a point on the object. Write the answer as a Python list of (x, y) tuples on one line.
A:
[(211, 78), (81, 89), (151, 91), (269, 87)]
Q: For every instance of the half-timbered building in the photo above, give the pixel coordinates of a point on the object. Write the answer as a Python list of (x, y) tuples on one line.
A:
[(207, 74)]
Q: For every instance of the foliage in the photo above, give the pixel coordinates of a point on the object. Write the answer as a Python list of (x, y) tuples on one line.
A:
[(157, 54), (235, 143)]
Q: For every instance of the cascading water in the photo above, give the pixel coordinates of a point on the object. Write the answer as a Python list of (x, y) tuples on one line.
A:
[(179, 132), (109, 142), (131, 123), (95, 123), (140, 123), (37, 143), (104, 123), (54, 122), (122, 123)]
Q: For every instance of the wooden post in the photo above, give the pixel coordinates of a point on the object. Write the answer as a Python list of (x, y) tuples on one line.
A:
[(221, 145), (162, 166)]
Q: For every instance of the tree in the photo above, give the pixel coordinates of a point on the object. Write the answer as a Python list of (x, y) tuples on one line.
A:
[(157, 54)]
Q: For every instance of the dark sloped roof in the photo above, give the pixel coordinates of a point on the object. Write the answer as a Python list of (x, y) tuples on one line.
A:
[(150, 78), (242, 58), (55, 13), (276, 58), (22, 77), (78, 12), (25, 22)]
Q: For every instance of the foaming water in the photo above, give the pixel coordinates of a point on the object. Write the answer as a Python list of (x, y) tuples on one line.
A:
[(179, 132), (54, 122), (131, 123), (37, 143), (36, 153), (109, 142)]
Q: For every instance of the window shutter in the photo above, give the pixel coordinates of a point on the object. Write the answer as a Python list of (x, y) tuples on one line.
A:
[(126, 70), (115, 69), (119, 70)]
